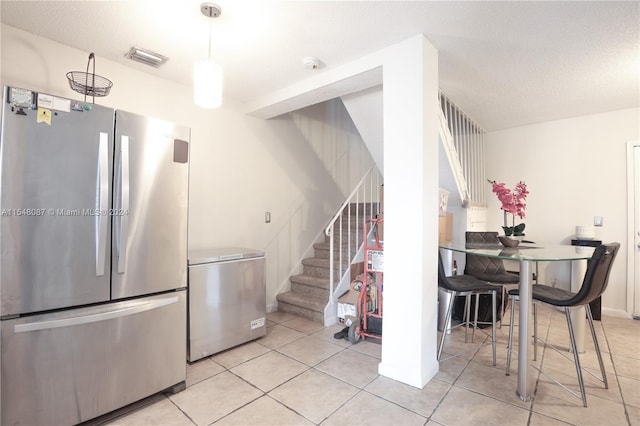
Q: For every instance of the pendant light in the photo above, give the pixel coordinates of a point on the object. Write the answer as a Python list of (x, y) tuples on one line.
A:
[(207, 74)]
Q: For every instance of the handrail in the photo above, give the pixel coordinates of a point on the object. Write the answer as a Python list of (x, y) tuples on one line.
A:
[(453, 157), (367, 193), (463, 143)]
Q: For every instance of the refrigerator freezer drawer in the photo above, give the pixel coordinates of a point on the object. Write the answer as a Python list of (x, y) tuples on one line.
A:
[(71, 366), (227, 305)]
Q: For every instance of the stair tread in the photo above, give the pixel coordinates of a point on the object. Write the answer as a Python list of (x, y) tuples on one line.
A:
[(316, 261), (311, 303), (310, 280)]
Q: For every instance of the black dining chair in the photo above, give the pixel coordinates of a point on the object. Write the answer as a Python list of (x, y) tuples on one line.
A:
[(594, 284), (489, 269), (465, 285)]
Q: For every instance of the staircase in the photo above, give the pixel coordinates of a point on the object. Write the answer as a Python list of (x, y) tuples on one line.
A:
[(310, 292), (461, 173)]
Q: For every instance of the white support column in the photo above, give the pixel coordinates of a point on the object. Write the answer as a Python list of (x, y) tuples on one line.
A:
[(410, 91)]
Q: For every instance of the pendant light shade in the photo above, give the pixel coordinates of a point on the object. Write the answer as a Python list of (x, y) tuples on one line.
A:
[(207, 74), (207, 83)]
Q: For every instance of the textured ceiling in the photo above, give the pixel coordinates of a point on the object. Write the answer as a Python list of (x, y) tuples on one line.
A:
[(504, 63)]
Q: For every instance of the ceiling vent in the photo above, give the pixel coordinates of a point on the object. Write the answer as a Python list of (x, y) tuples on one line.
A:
[(146, 57)]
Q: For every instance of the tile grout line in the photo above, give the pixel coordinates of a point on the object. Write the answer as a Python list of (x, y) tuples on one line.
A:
[(182, 411), (264, 393), (275, 349), (535, 389), (615, 372), (452, 384), (358, 389)]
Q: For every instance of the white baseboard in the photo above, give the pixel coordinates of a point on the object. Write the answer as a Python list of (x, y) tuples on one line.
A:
[(618, 313)]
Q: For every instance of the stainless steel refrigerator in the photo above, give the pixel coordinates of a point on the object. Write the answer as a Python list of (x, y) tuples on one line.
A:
[(93, 249)]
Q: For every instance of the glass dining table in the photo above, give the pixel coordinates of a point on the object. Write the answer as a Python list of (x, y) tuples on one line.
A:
[(527, 254)]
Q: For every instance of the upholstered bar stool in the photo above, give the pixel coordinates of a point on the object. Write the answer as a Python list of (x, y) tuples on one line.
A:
[(594, 284), (465, 285)]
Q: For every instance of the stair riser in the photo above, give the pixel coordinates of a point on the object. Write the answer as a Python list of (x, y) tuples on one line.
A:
[(315, 271), (355, 224), (345, 229), (302, 312), (361, 207), (325, 253), (353, 241), (353, 221), (344, 242), (310, 281), (321, 253), (323, 263), (336, 262), (310, 290)]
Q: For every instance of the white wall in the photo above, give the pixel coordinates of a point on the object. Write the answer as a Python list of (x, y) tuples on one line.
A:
[(575, 169), (298, 167), (366, 110)]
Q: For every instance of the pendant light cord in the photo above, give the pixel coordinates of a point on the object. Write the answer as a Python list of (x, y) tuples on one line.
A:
[(210, 22)]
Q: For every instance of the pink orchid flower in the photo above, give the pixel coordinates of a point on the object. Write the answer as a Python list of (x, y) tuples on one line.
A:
[(512, 202)]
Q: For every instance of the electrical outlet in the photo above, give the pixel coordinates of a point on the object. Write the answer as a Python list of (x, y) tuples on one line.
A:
[(597, 221), (554, 282)]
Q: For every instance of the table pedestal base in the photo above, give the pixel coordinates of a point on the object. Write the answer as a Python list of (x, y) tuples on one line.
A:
[(578, 316)]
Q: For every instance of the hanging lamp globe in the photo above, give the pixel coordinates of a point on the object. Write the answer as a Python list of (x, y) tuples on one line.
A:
[(207, 83)]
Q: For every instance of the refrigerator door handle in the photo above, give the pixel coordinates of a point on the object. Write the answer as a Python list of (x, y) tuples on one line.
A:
[(91, 318), (103, 199), (124, 203)]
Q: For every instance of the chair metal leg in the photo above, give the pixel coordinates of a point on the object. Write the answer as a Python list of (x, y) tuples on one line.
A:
[(475, 318), (510, 341), (467, 310), (597, 346), (493, 323), (535, 331), (447, 321), (503, 303), (576, 357)]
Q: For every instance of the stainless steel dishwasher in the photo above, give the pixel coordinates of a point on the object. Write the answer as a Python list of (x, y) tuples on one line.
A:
[(227, 299)]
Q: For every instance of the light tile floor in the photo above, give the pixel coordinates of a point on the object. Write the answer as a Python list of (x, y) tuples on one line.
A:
[(300, 375)]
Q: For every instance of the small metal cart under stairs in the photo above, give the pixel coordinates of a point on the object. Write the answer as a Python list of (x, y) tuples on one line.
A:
[(368, 321)]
